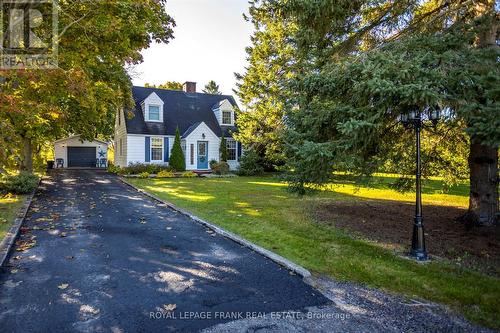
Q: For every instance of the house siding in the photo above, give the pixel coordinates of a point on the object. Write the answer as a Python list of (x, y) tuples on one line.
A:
[(120, 133), (218, 115), (233, 165), (197, 135), (136, 147)]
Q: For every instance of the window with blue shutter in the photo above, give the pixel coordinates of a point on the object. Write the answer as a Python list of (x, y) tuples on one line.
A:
[(239, 150), (147, 149), (166, 150)]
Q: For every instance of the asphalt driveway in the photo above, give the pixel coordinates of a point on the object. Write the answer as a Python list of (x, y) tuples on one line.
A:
[(95, 255)]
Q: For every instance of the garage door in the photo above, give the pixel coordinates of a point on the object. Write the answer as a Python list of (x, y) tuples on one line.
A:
[(81, 156)]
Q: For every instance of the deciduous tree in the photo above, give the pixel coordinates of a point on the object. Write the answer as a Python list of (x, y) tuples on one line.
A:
[(170, 85), (96, 42)]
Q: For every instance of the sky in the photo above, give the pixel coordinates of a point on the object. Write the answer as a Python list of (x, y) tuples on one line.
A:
[(209, 44)]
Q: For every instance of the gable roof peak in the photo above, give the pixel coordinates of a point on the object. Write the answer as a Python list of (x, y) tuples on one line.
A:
[(220, 103), (154, 95)]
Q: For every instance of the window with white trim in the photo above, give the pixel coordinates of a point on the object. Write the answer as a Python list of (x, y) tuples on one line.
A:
[(183, 147), (156, 149), (231, 149), (227, 118), (154, 112)]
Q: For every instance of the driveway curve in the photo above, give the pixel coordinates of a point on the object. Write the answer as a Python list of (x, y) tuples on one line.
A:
[(94, 255)]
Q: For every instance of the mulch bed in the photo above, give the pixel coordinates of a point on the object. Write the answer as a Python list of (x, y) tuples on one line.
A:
[(390, 222)]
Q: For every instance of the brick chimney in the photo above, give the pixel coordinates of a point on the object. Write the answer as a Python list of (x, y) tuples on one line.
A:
[(189, 87)]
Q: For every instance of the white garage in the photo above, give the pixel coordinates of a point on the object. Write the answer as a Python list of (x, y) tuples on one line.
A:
[(73, 152)]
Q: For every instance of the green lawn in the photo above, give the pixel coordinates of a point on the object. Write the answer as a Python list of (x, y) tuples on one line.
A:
[(262, 211), (9, 208)]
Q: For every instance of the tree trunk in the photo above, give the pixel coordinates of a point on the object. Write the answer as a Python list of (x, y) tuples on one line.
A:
[(27, 161), (483, 160), (483, 197)]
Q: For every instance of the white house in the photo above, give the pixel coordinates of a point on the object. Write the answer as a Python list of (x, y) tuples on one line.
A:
[(146, 133), (76, 152)]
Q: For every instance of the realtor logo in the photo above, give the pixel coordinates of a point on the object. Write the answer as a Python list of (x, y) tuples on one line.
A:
[(28, 35)]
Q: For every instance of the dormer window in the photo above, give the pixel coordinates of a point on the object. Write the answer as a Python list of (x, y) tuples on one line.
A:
[(224, 112), (227, 118), (152, 108), (153, 113)]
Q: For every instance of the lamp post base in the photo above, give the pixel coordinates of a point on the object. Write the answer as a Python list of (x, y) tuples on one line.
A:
[(419, 255), (418, 251)]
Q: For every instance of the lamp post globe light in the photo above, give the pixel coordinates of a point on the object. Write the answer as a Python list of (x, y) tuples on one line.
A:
[(414, 118)]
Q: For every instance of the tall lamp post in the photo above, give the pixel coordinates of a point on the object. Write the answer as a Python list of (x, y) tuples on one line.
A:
[(415, 119)]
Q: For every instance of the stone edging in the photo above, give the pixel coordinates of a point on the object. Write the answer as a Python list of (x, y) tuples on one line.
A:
[(10, 238), (260, 250)]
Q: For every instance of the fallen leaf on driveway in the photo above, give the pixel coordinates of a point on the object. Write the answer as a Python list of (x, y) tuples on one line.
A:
[(70, 257), (88, 309), (14, 271), (63, 234), (25, 245), (63, 286), (43, 219), (169, 307), (11, 283)]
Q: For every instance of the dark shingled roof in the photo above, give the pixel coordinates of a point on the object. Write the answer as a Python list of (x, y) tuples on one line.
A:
[(190, 129), (180, 109)]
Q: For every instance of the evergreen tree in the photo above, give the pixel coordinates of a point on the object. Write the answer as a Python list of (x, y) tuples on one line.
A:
[(354, 84), (343, 72), (223, 149), (177, 160), (261, 88), (212, 88)]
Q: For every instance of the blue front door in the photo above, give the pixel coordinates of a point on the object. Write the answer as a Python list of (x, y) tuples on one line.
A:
[(202, 155)]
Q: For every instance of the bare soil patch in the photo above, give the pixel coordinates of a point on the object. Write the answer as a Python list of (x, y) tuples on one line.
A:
[(390, 222)]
